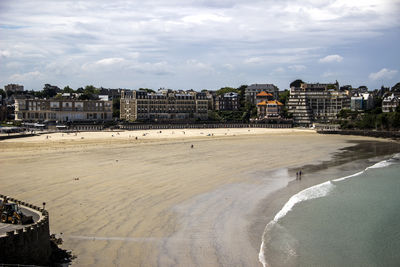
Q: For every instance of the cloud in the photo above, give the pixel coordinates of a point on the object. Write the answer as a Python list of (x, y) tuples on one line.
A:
[(278, 70), (109, 61), (199, 65), (228, 66), (331, 58), (105, 62), (253, 36), (26, 76), (5, 53), (297, 68), (383, 74), (254, 60), (329, 74)]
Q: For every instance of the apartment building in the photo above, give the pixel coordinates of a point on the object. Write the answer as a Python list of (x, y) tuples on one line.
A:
[(269, 109), (390, 102), (251, 91), (62, 109), (227, 101), (13, 88), (164, 105), (316, 103), (361, 101)]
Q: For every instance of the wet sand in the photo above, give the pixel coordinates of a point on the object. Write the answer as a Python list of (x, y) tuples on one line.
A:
[(156, 201)]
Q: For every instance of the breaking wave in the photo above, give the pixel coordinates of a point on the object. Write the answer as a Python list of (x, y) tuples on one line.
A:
[(284, 244)]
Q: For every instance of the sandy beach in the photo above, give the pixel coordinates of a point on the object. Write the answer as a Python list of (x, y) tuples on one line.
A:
[(146, 198)]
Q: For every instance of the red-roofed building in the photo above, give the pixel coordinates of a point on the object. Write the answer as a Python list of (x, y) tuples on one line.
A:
[(269, 109), (264, 96)]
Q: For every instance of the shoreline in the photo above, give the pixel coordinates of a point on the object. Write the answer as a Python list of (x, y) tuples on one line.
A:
[(176, 205), (347, 162)]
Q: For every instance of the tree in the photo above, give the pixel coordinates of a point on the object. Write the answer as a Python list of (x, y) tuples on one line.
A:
[(225, 90), (296, 83), (50, 90), (68, 89), (2, 93), (284, 97), (116, 107), (90, 93), (396, 87), (242, 99), (148, 90)]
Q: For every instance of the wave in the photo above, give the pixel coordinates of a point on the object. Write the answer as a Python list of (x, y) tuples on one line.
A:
[(313, 192)]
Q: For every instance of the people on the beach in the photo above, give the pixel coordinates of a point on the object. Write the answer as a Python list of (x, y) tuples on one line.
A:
[(297, 176), (191, 146), (300, 175)]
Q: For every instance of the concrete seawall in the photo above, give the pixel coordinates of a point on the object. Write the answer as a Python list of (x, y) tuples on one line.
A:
[(205, 126), (29, 244)]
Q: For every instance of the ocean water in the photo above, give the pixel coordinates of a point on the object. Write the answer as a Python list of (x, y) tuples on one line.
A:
[(350, 221)]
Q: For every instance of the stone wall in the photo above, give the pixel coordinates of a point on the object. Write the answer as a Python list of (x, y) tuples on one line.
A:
[(201, 126), (30, 244)]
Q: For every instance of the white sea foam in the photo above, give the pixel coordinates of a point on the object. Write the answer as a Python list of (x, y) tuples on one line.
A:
[(261, 256), (312, 192), (380, 164), (347, 177)]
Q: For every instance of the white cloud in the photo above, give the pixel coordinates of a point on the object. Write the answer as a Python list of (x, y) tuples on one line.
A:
[(110, 36), (278, 70), (331, 58), (26, 76), (229, 66), (329, 74), (199, 65), (4, 53), (204, 18), (383, 74), (109, 61), (297, 67)]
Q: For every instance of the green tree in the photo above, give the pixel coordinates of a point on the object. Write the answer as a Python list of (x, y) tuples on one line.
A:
[(296, 83), (396, 87), (90, 93), (50, 90), (284, 96), (68, 89), (225, 90), (116, 107), (3, 93), (148, 90)]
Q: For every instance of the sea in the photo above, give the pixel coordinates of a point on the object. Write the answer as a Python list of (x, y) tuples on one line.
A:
[(350, 221)]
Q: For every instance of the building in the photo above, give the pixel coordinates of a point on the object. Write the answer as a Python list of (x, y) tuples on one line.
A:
[(227, 101), (62, 110), (13, 88), (165, 105), (111, 93), (361, 101), (263, 96), (251, 91), (316, 103), (390, 102), (269, 109)]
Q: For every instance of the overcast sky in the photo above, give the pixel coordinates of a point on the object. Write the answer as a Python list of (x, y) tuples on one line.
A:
[(198, 44)]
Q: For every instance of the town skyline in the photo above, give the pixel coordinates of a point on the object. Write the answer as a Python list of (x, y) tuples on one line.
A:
[(199, 44)]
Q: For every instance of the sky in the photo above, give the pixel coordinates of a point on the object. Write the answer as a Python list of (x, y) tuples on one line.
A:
[(198, 44)]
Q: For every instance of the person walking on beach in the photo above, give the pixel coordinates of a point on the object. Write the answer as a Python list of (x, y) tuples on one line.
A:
[(300, 175), (297, 176)]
